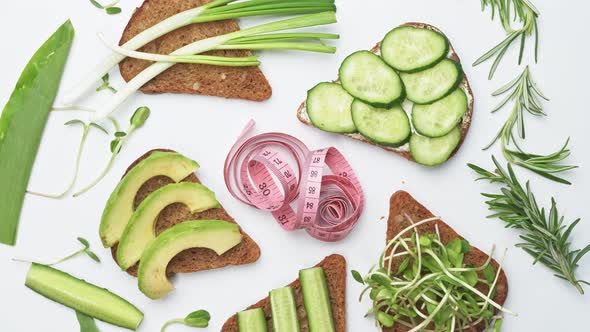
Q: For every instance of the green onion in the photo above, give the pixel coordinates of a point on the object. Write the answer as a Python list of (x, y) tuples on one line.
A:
[(213, 11), (23, 121), (210, 44)]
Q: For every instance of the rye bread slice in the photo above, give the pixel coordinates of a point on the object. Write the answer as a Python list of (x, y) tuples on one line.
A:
[(404, 150), (335, 269), (402, 206), (194, 259), (229, 82)]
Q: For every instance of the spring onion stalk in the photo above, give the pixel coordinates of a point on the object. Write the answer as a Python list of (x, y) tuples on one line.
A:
[(213, 11), (206, 45)]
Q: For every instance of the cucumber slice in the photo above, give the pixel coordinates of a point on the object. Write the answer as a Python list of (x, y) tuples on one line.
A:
[(82, 296), (410, 49), (389, 126), (316, 298), (430, 85), (439, 118), (252, 320), (367, 77), (284, 310), (434, 151), (328, 107)]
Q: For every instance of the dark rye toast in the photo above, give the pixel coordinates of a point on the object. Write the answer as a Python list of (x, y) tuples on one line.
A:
[(404, 150), (335, 269), (229, 82), (402, 206), (194, 259)]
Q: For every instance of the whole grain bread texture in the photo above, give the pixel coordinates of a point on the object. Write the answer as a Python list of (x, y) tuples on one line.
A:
[(335, 269), (230, 82), (194, 259), (403, 150), (404, 206)]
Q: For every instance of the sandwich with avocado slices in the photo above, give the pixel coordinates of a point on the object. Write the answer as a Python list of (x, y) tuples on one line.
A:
[(315, 302), (160, 220)]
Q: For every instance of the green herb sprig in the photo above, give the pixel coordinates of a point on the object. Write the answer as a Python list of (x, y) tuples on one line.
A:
[(527, 98), (86, 129), (110, 9), (545, 236), (106, 85), (137, 121), (199, 319), (431, 286), (509, 11)]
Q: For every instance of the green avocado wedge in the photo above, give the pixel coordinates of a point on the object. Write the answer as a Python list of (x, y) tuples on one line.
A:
[(119, 207), (22, 124), (83, 297), (217, 235), (140, 230)]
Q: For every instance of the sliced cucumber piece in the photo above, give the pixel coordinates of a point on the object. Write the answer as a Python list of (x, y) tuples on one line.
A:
[(82, 296), (367, 77), (316, 298), (434, 151), (386, 126), (328, 107), (439, 118), (284, 310), (410, 49), (432, 84), (252, 320)]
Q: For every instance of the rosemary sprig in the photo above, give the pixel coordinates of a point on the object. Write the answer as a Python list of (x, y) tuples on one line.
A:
[(527, 98), (509, 11), (545, 237)]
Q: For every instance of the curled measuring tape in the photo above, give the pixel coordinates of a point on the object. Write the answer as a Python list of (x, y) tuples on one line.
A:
[(258, 173)]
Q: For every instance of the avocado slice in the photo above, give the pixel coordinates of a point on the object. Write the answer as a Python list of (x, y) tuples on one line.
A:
[(140, 230), (82, 296), (217, 235), (119, 207)]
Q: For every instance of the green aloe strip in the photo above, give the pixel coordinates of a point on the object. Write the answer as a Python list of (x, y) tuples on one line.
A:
[(22, 123)]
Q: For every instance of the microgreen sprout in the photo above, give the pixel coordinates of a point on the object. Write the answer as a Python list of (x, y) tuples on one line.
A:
[(527, 98), (85, 250), (110, 9), (86, 129), (426, 285), (199, 318), (106, 85), (137, 121)]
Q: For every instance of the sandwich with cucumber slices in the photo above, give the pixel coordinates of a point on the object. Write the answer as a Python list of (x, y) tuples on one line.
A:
[(408, 95), (315, 302)]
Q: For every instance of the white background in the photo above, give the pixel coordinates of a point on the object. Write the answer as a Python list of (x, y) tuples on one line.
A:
[(204, 128)]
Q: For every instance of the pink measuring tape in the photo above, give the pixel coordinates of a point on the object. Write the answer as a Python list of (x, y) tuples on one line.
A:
[(258, 173)]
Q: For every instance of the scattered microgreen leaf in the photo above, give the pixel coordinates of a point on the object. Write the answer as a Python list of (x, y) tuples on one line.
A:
[(357, 276), (546, 237), (110, 9), (86, 250), (136, 121), (87, 323), (198, 319), (106, 85)]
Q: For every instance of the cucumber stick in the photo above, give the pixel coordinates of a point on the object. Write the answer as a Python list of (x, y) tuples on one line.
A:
[(389, 126), (252, 320), (82, 296), (367, 77), (316, 298), (434, 151), (22, 124), (439, 118), (328, 108), (408, 49), (432, 84), (284, 310)]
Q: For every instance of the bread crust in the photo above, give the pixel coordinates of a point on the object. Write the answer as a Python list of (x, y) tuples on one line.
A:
[(402, 206), (335, 269), (230, 82), (467, 118), (194, 259)]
